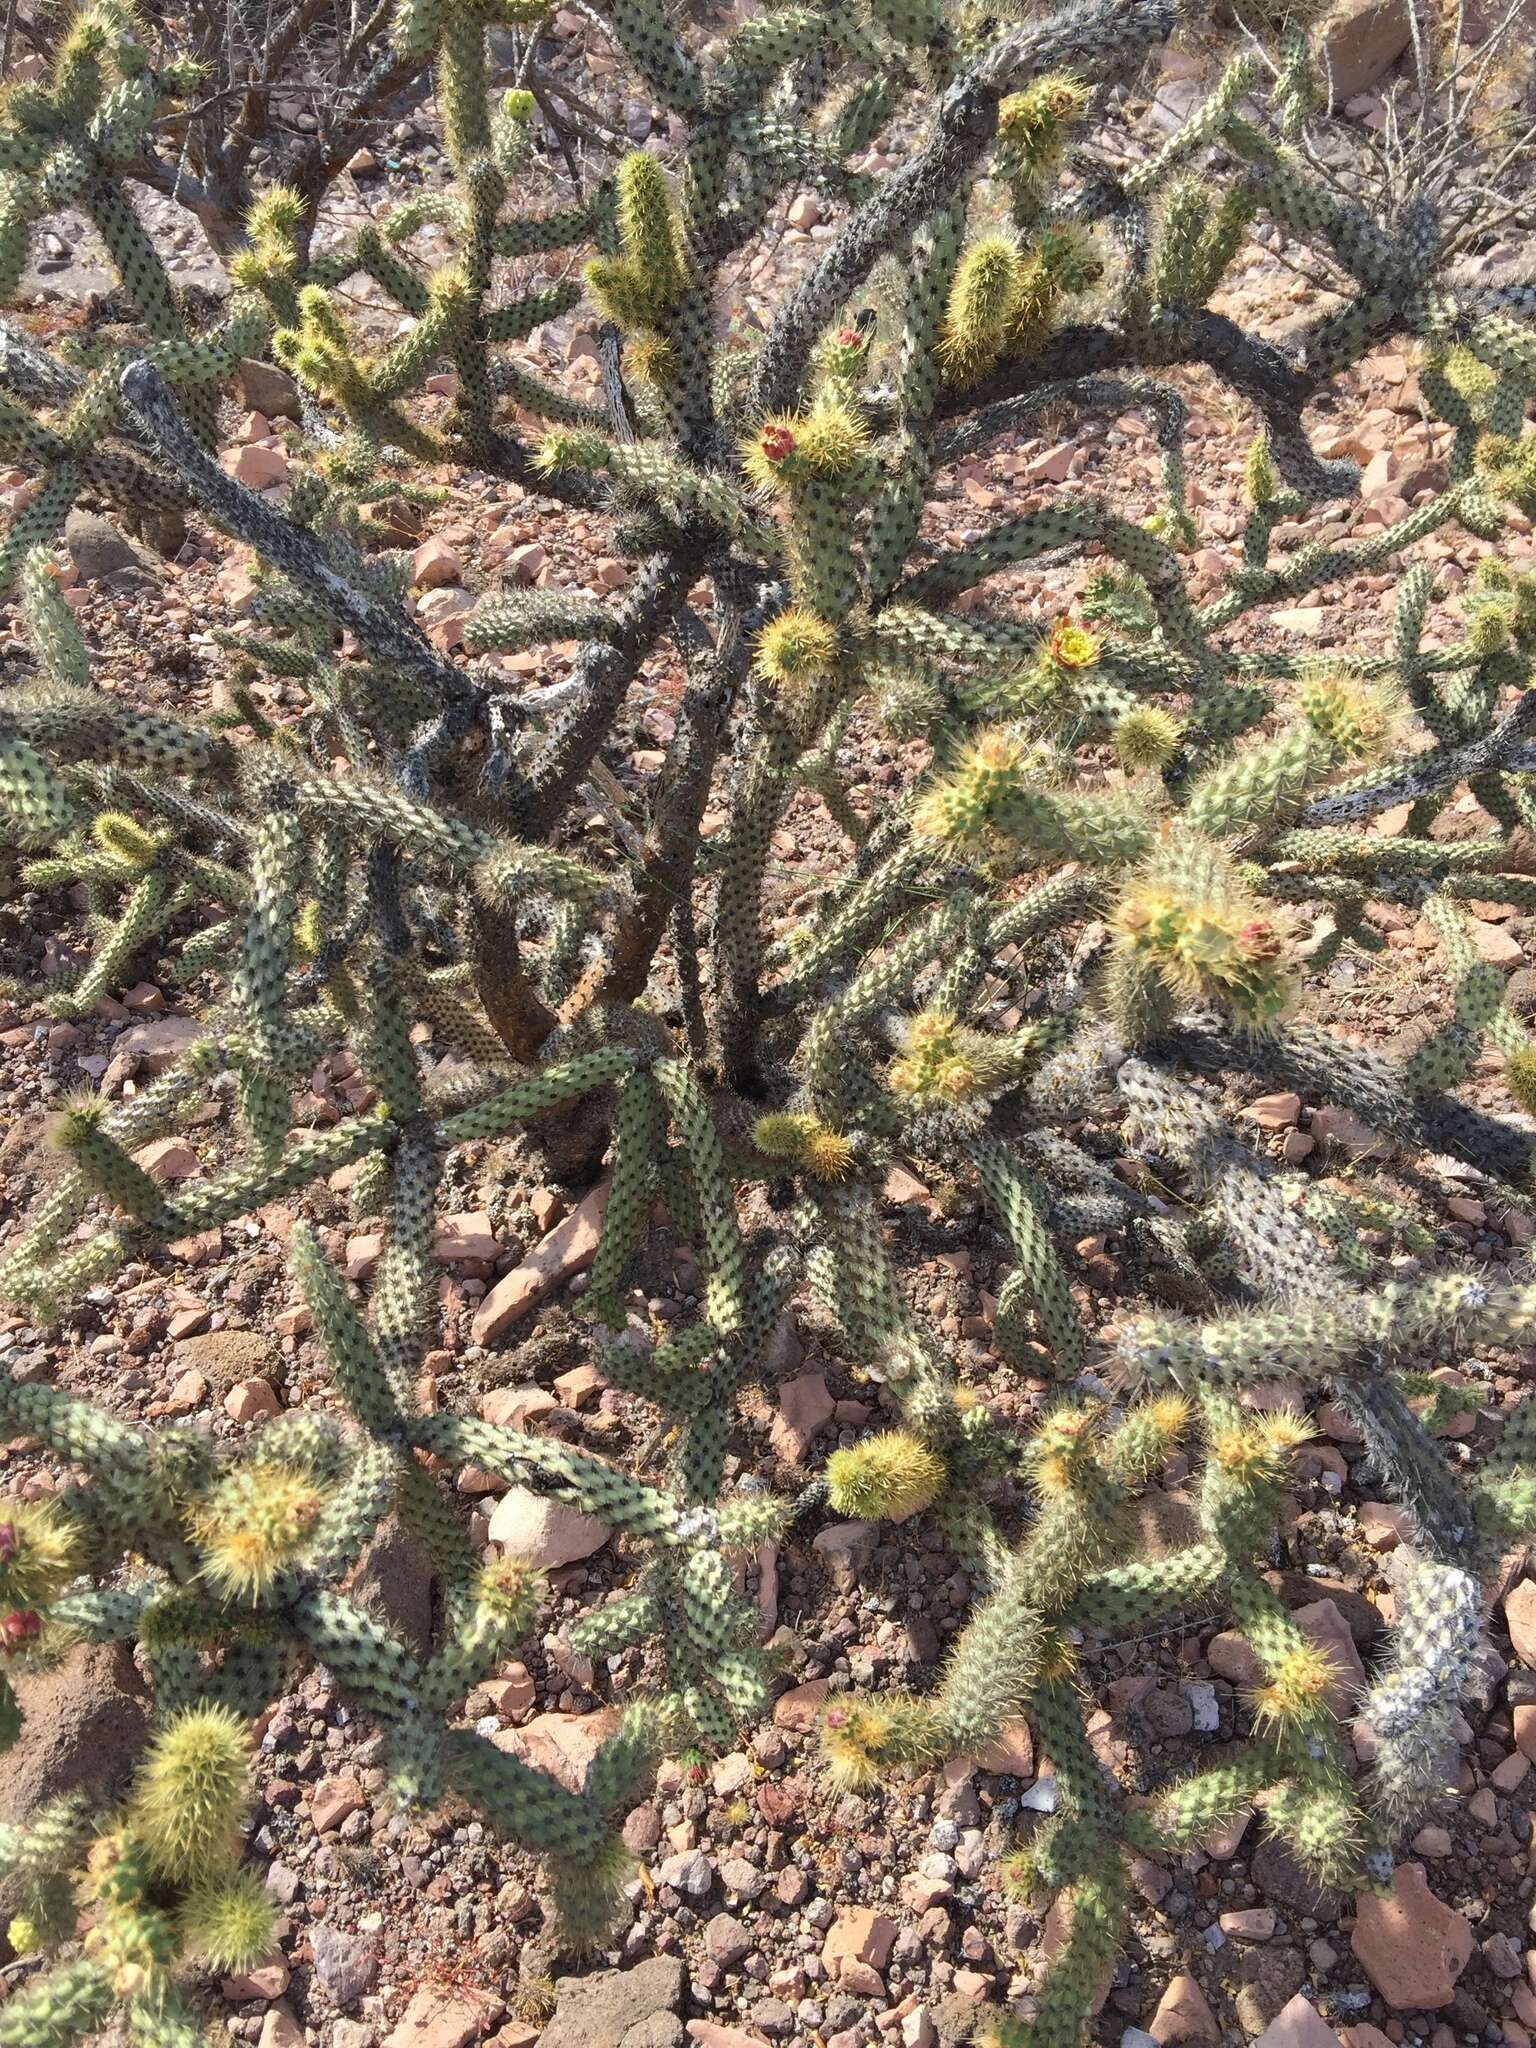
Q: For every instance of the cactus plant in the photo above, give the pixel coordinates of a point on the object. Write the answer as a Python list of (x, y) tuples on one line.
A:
[(407, 854)]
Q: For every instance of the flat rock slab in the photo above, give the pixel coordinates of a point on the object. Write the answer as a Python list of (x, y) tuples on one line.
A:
[(1410, 1945), (599, 2010)]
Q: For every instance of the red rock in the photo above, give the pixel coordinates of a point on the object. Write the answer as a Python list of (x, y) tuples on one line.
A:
[(1525, 1730), (1494, 945), (561, 1744), (1298, 2025), (1231, 1657), (799, 1709), (545, 1531), (708, 2035), (258, 467), (568, 1249), (187, 1322), (805, 1406), (516, 1407), (144, 999), (1411, 1946), (1349, 1132), (1520, 1620), (445, 614), (512, 1691), (1510, 1775), (469, 1236), (1183, 2014), (439, 2017), (1384, 1527), (363, 1254), (1252, 1923), (527, 563), (1011, 1751), (1053, 467), (169, 1159), (1299, 618), (279, 2029), (157, 1044), (265, 1980), (858, 1935), (333, 1801), (902, 1187), (251, 1401), (189, 1392), (1274, 1112), (580, 1387), (433, 564), (804, 211), (1432, 1842)]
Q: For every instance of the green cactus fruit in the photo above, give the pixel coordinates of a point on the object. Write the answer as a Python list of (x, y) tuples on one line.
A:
[(191, 1792), (885, 1478)]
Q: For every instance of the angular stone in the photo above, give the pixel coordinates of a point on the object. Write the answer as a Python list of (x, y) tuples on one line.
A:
[(333, 1801), (1249, 1923), (1298, 2025), (845, 1547), (469, 1236), (1494, 945), (1183, 2014), (726, 1940), (434, 563), (169, 1159), (546, 1532), (799, 1709), (346, 1964), (1010, 1753), (1520, 1620), (279, 2029), (598, 2010), (439, 2017), (1411, 1946), (859, 1935), (266, 388), (563, 1745), (251, 1401), (1055, 1935), (256, 466), (1274, 1112), (805, 1406), (568, 1249), (516, 1407), (1350, 1132), (157, 1044), (1231, 1657), (706, 2034), (265, 1980)]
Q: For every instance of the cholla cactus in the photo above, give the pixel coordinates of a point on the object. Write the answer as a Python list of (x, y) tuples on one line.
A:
[(409, 853)]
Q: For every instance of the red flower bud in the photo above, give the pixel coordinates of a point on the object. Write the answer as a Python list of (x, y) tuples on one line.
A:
[(19, 1627), (848, 337), (777, 442), (1258, 940)]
